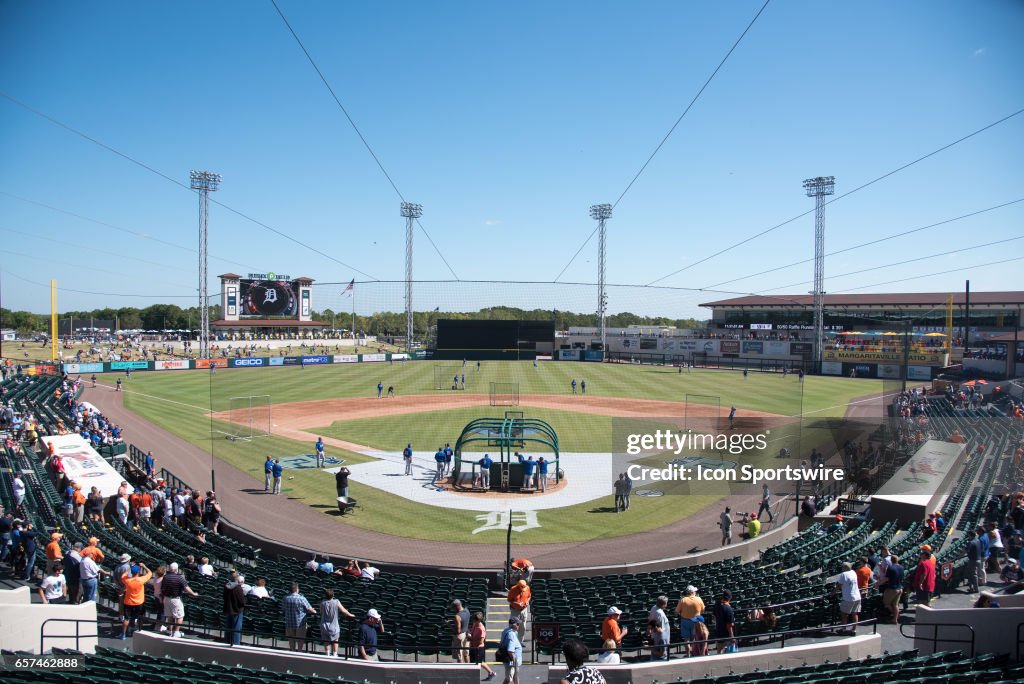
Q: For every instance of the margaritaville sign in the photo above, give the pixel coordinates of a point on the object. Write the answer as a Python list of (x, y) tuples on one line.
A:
[(915, 358)]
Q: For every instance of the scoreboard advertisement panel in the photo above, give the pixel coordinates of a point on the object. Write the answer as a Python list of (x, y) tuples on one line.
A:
[(268, 298)]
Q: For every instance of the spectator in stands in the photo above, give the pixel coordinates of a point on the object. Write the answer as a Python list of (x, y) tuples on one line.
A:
[(312, 564), (975, 563), (458, 626), (351, 569), (995, 547), (808, 507), (892, 583), (134, 597), (519, 603), (368, 573), (725, 621), (78, 500), (659, 629), (689, 607), (610, 628), (296, 611), (205, 568), (850, 597), (260, 590), (93, 551), (25, 535), (608, 654), (863, 570), (54, 554), (172, 589), (73, 572), (924, 577), (522, 569), (18, 491), (191, 565), (477, 643), (325, 566), (512, 646), (368, 630), (1012, 574), (123, 507), (158, 580), (330, 612), (54, 588), (986, 600), (576, 656), (234, 609), (211, 512)]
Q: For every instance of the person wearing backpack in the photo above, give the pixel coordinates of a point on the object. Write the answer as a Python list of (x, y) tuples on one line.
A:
[(510, 651)]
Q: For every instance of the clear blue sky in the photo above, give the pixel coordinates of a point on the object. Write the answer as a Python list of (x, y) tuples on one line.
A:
[(506, 121)]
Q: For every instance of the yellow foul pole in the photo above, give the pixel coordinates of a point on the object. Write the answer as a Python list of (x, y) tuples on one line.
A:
[(53, 320)]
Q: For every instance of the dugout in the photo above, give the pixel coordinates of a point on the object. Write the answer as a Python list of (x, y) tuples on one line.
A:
[(495, 340), (501, 438)]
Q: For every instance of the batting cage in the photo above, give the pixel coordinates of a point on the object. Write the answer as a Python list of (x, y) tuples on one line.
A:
[(501, 439)]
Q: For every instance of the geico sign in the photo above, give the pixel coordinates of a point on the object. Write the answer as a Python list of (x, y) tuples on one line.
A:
[(248, 362)]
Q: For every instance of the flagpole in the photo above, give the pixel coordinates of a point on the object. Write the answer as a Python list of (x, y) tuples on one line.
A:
[(353, 314)]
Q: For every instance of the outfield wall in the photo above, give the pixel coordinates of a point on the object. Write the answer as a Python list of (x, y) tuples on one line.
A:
[(236, 362)]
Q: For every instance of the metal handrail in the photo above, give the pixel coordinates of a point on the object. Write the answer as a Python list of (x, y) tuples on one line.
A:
[(935, 634), (683, 647), (77, 636)]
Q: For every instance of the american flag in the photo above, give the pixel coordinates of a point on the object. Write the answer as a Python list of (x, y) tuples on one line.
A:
[(350, 286)]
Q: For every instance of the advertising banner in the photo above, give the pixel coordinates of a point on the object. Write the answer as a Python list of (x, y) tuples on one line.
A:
[(232, 301), (72, 368), (760, 326), (568, 354), (83, 465), (831, 368), (276, 361), (215, 363), (776, 348), (174, 364), (801, 348), (305, 302), (399, 357), (919, 373), (345, 358), (374, 357), (291, 360), (854, 356), (889, 371), (729, 346), (648, 343), (753, 347), (248, 363), (125, 365), (315, 360), (593, 355)]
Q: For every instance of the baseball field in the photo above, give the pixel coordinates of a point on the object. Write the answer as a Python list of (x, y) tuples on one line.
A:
[(339, 402)]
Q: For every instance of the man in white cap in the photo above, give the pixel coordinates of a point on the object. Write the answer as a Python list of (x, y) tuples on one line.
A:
[(688, 608), (610, 628), (368, 630), (123, 567), (172, 588)]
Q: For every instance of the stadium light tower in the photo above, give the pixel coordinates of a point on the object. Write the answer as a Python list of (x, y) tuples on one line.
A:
[(205, 182), (411, 212), (818, 188), (601, 213)]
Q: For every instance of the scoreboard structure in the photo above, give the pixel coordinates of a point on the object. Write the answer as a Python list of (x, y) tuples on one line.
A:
[(266, 301), (508, 340)]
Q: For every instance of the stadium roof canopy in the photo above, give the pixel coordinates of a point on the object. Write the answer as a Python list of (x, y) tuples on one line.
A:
[(895, 300)]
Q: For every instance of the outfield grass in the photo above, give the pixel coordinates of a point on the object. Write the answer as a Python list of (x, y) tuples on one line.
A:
[(826, 396), (179, 402)]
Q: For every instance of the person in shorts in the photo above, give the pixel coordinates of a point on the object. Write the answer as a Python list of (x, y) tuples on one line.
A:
[(477, 640), (849, 601), (296, 611)]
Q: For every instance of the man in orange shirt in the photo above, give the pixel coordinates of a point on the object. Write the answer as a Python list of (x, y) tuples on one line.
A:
[(863, 571), (519, 602), (134, 504), (54, 554), (93, 551), (610, 629), (134, 596), (522, 569), (78, 499)]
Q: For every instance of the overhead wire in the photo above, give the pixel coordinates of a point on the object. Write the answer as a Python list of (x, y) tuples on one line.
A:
[(166, 177), (873, 242), (359, 133), (839, 197), (671, 130)]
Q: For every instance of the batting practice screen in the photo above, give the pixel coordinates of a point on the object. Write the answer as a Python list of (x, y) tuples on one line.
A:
[(493, 339)]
